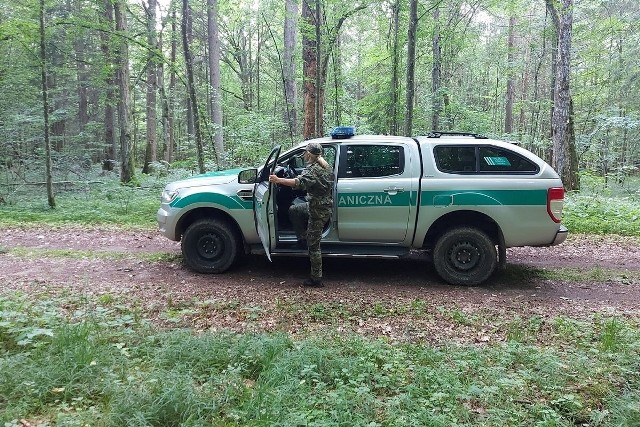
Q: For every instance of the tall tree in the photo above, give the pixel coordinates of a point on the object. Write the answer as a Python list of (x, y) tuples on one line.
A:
[(564, 151), (110, 143), (80, 47), (511, 92), (45, 107), (127, 168), (214, 79), (168, 99), (188, 59), (315, 61), (394, 89), (310, 46), (244, 40), (151, 152), (436, 71), (186, 30), (411, 66), (289, 65)]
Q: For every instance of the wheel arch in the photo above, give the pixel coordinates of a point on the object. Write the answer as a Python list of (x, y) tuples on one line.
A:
[(207, 213), (458, 218)]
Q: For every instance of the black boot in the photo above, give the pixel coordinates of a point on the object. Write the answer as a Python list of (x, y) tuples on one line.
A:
[(312, 282)]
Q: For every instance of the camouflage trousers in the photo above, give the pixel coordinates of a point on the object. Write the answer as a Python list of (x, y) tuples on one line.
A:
[(309, 225)]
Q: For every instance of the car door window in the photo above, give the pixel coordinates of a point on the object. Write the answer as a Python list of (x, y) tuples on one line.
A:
[(456, 159), (494, 159), (482, 159), (296, 161), (367, 161)]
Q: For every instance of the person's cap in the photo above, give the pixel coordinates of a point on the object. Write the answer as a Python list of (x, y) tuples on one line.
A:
[(314, 148)]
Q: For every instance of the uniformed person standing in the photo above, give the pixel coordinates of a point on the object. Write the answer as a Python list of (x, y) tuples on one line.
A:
[(308, 219)]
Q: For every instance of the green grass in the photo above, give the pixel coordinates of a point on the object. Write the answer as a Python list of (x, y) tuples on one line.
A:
[(514, 273), (588, 214), (107, 203), (599, 208), (109, 367), (110, 205), (80, 254), (74, 360), (604, 207)]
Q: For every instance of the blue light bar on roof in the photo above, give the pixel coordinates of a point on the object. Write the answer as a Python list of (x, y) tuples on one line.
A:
[(343, 132)]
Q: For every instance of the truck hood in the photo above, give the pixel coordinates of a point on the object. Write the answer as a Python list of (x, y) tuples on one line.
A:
[(209, 178)]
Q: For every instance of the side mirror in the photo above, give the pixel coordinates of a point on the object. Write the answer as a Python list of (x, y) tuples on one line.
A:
[(248, 176)]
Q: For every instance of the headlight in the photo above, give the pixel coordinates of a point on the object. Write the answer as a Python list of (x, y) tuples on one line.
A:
[(168, 196)]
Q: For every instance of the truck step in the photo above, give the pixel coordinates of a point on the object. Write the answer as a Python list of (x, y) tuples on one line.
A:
[(347, 251)]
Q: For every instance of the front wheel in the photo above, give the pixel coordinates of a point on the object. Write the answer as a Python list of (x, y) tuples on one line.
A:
[(465, 256), (210, 246)]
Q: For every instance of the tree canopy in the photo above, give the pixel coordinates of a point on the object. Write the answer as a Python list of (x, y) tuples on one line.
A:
[(217, 83)]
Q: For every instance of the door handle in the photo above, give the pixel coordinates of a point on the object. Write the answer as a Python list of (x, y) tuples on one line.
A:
[(393, 190)]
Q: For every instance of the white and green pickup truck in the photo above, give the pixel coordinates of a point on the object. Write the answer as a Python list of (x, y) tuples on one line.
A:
[(462, 199)]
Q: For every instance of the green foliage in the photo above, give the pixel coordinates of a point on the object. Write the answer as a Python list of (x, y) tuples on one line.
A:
[(17, 329), (101, 363), (599, 208), (111, 204), (100, 201), (604, 208), (251, 137)]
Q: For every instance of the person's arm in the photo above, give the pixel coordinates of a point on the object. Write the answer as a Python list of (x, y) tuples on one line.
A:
[(289, 182)]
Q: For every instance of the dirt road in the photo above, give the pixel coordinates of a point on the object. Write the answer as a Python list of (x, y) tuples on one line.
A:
[(402, 299)]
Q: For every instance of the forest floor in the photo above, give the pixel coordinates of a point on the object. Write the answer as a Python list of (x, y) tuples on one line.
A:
[(598, 275)]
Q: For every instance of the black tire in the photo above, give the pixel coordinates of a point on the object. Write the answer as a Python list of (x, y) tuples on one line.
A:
[(465, 256), (210, 246)]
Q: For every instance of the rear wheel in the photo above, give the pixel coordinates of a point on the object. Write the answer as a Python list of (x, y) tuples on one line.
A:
[(465, 256), (210, 246)]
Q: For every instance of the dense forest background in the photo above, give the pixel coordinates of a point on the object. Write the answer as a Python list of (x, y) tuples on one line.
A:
[(140, 86)]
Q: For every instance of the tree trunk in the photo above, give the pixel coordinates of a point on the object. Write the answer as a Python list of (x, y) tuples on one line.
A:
[(411, 66), (82, 89), (289, 66), (187, 26), (511, 91), (256, 66), (524, 94), (393, 126), (562, 124), (127, 170), (337, 81), (214, 80), (436, 72), (323, 62), (167, 122), (319, 99), (240, 48), (58, 128), (309, 70), (151, 152), (555, 19), (109, 156), (190, 86), (170, 99), (535, 127), (45, 106)]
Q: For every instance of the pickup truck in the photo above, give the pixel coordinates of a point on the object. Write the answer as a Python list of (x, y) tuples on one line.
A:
[(462, 199)]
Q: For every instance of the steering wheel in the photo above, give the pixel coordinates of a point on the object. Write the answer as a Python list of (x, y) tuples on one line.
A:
[(289, 171)]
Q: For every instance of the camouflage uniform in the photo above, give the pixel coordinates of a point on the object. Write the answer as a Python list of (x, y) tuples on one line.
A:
[(308, 219)]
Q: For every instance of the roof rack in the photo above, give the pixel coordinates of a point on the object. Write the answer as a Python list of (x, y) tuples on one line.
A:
[(438, 134)]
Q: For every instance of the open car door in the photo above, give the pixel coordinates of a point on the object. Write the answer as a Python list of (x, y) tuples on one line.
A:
[(264, 204)]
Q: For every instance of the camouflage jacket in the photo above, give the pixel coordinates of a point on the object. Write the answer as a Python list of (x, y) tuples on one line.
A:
[(318, 183)]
